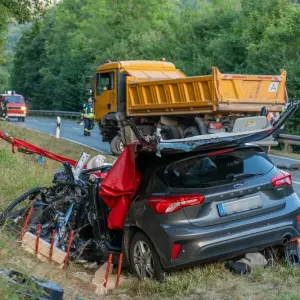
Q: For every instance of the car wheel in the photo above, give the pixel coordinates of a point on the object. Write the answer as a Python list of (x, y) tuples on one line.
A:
[(116, 145), (191, 131), (170, 132), (23, 119), (144, 260)]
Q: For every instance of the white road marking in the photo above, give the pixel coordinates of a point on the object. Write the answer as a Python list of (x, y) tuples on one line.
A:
[(87, 146), (76, 128), (296, 182), (62, 138), (286, 158)]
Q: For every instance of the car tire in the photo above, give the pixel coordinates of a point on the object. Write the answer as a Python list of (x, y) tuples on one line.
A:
[(191, 131), (23, 119), (116, 145), (170, 132), (152, 269), (7, 213)]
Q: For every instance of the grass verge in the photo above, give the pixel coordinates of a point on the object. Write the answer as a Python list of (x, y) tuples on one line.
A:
[(285, 154), (19, 172)]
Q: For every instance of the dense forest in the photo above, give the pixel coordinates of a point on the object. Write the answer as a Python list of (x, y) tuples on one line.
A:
[(11, 36), (238, 36), (15, 17)]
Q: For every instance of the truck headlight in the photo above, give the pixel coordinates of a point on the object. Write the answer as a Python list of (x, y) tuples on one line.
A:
[(23, 108)]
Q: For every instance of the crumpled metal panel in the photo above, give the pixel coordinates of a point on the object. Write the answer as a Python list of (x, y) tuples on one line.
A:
[(212, 141), (221, 140)]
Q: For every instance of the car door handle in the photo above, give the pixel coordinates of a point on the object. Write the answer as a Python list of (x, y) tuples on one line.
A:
[(108, 106)]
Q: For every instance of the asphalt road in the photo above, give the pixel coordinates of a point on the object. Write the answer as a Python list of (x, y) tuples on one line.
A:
[(70, 130)]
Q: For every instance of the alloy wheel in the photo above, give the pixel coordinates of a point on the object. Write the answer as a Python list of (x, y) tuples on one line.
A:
[(143, 260)]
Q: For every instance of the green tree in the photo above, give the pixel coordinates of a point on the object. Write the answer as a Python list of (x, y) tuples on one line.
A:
[(21, 11)]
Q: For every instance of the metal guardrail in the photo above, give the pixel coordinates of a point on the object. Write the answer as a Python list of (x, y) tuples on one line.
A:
[(286, 139), (54, 113)]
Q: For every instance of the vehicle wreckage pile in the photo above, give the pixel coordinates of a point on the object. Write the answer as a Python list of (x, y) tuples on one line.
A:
[(93, 210)]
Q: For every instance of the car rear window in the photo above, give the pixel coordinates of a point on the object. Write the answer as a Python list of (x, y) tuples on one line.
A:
[(15, 99), (204, 172)]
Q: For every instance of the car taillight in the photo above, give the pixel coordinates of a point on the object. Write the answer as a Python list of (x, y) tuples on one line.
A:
[(298, 220), (175, 250), (283, 179), (170, 204), (215, 125)]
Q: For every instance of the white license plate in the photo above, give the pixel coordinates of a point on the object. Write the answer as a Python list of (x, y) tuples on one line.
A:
[(234, 207)]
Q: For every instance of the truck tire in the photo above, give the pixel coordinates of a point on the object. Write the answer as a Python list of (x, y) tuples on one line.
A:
[(201, 126), (191, 131), (170, 132), (116, 145)]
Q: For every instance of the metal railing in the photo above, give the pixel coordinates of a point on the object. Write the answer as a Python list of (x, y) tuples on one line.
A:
[(54, 113), (287, 139)]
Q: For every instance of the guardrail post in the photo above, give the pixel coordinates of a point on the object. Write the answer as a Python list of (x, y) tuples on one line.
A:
[(287, 147), (58, 127)]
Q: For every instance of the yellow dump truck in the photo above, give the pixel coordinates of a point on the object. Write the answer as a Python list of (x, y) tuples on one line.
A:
[(157, 95)]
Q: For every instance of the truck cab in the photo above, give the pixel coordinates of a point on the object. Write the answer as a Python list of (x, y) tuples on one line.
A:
[(13, 106)]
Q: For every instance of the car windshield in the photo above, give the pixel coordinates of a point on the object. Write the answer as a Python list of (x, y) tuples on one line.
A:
[(15, 99), (201, 172)]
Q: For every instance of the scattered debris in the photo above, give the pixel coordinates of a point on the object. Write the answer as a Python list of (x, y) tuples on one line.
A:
[(23, 284), (96, 283), (239, 268), (91, 266), (254, 260), (292, 167), (244, 266), (292, 252)]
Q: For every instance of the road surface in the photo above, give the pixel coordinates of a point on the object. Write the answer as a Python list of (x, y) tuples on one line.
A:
[(70, 130)]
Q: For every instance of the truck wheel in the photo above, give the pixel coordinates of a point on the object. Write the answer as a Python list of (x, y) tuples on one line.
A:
[(170, 132), (201, 126), (191, 131), (116, 145)]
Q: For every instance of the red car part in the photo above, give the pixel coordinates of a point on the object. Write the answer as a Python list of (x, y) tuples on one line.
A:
[(30, 148), (118, 189), (25, 223)]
